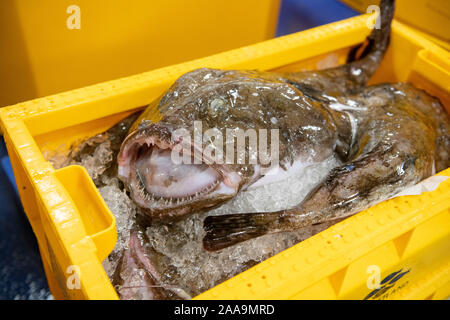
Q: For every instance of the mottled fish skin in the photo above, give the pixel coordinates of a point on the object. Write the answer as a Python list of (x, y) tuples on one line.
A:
[(388, 136), (294, 103), (354, 75), (401, 137)]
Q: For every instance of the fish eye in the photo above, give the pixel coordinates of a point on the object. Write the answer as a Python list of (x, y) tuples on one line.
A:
[(217, 106)]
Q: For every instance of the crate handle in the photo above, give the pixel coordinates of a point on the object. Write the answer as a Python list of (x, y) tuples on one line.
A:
[(97, 219), (434, 68)]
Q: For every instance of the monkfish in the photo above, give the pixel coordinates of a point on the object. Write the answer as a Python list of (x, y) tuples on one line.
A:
[(387, 136)]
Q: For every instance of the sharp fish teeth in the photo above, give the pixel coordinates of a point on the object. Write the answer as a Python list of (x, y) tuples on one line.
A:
[(166, 201)]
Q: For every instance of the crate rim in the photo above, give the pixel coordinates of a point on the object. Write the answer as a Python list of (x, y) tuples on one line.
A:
[(13, 120)]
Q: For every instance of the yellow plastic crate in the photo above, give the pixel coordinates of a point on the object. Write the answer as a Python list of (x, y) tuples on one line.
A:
[(443, 43), (408, 235), (43, 52), (430, 17)]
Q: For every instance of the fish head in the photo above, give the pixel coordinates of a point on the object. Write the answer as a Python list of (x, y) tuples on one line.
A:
[(148, 162), (149, 165)]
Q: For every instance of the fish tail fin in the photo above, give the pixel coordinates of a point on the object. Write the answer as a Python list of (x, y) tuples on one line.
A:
[(381, 36), (227, 230), (365, 58), (362, 62), (378, 40)]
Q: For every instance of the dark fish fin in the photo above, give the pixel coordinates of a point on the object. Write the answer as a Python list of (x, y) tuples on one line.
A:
[(373, 49), (227, 230), (362, 62), (381, 36), (378, 41)]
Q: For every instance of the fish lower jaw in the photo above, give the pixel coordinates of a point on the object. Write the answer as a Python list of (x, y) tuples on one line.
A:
[(173, 207), (166, 201)]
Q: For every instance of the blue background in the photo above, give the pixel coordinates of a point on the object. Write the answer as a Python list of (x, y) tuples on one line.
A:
[(21, 272)]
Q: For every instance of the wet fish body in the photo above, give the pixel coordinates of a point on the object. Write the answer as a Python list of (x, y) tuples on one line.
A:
[(388, 136)]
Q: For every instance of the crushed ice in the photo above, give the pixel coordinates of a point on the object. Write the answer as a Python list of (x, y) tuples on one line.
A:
[(182, 267)]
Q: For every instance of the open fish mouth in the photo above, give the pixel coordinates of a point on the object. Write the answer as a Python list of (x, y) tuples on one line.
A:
[(161, 184)]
